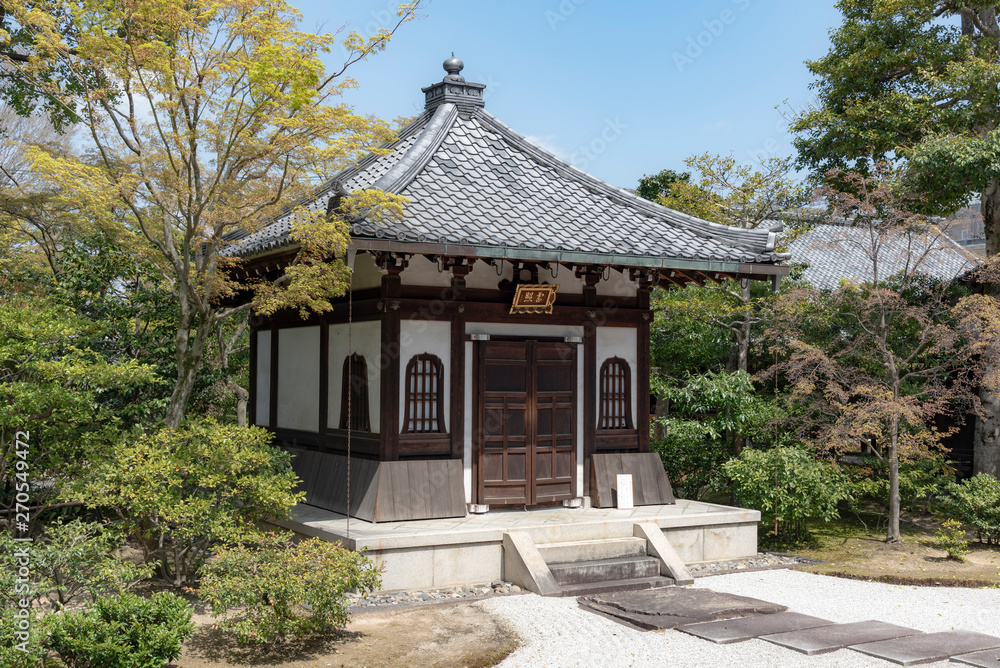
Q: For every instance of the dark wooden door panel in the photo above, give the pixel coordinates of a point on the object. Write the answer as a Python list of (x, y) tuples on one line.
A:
[(526, 422)]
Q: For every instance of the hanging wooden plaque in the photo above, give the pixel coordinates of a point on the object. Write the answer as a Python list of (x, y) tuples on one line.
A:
[(534, 299)]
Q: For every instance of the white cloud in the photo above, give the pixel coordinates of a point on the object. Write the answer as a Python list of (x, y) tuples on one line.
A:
[(549, 144)]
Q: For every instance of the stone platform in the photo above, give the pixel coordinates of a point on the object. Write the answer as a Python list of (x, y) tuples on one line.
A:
[(446, 552)]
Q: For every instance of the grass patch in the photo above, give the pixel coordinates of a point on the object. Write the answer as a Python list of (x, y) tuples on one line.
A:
[(854, 547)]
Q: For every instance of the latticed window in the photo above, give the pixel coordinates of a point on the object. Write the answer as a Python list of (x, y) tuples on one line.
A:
[(424, 395), (354, 416), (615, 395)]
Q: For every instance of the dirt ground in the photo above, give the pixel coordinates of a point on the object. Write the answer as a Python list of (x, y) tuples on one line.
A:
[(866, 555), (444, 635)]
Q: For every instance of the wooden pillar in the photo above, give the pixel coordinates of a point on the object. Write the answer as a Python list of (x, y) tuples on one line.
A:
[(389, 423), (589, 401), (457, 388), (324, 380), (642, 373)]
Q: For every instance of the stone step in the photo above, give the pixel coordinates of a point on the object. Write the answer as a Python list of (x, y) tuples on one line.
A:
[(588, 588), (590, 550), (605, 570)]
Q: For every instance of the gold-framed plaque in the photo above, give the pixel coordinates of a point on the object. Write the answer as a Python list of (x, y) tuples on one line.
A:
[(537, 299)]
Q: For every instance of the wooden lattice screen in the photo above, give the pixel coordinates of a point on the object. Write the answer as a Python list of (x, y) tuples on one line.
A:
[(424, 396), (355, 386), (615, 395)]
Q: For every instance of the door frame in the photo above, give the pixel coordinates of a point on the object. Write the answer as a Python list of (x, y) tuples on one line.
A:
[(531, 416)]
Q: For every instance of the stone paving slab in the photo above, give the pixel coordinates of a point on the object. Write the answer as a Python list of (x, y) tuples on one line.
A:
[(928, 648), (823, 639), (674, 606), (990, 657), (745, 628)]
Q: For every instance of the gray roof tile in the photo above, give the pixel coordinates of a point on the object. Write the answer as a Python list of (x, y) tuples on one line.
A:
[(473, 178), (836, 251)]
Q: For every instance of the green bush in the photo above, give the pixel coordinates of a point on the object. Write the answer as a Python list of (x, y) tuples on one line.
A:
[(178, 491), (951, 538), (73, 561), (976, 503), (788, 486), (919, 481), (21, 638), (126, 631), (275, 589), (693, 466)]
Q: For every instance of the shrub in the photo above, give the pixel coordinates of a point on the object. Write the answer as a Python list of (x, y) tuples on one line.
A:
[(788, 486), (21, 638), (275, 589), (920, 480), (692, 465), (951, 538), (126, 631), (180, 490), (73, 560), (976, 503)]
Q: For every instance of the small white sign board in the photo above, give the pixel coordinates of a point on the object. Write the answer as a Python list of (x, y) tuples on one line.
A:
[(625, 491)]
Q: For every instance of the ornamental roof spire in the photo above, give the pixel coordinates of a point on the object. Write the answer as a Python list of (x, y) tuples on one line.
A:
[(465, 95)]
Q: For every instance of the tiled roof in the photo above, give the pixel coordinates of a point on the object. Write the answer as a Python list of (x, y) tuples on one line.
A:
[(836, 251), (470, 180)]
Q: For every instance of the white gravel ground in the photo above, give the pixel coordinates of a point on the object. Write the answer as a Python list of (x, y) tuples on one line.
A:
[(555, 632)]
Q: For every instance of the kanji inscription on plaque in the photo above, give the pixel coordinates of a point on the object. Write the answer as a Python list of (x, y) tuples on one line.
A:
[(534, 299)]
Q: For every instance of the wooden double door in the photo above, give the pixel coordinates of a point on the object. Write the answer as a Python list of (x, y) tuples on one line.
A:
[(525, 433)]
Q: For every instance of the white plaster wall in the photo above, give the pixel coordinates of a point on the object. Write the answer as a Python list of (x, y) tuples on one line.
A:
[(263, 390), (617, 285), (424, 336), (421, 271), (618, 342), (366, 340), (298, 378), (567, 281), (484, 276), (366, 273)]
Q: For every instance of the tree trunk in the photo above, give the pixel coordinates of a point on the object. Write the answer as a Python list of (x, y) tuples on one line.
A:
[(892, 534), (986, 444), (189, 353)]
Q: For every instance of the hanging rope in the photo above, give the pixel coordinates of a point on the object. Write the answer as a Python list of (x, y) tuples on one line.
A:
[(350, 394)]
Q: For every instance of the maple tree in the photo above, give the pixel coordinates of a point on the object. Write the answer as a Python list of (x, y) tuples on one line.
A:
[(882, 360), (202, 118), (916, 82)]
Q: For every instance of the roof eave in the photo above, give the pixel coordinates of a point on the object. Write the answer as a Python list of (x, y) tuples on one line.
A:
[(626, 260)]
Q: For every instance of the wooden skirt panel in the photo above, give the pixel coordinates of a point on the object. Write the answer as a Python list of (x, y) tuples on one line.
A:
[(381, 491), (650, 485)]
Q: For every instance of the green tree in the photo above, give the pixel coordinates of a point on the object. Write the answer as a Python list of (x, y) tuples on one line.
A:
[(916, 82), (52, 389), (653, 187), (882, 359), (745, 196), (203, 118)]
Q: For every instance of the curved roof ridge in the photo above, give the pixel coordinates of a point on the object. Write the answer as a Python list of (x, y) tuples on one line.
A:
[(756, 240), (341, 177), (416, 158)]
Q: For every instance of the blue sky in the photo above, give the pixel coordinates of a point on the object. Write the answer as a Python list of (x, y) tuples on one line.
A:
[(618, 88)]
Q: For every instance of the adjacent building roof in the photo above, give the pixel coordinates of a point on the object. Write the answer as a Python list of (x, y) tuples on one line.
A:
[(474, 184), (833, 252)]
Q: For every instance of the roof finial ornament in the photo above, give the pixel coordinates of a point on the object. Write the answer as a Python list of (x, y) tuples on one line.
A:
[(453, 66)]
